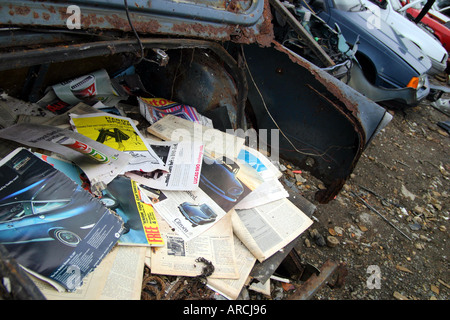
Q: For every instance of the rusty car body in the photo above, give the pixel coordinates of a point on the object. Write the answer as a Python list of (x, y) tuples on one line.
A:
[(218, 56)]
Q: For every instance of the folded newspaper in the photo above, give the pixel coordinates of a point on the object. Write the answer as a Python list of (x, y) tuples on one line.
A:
[(270, 227), (50, 225)]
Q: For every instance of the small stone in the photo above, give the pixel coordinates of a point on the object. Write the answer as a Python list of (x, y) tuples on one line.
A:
[(332, 241), (339, 231), (419, 246), (442, 228), (299, 178), (399, 296), (435, 289), (317, 237), (415, 226), (418, 220), (307, 243), (362, 228), (407, 194), (404, 269)]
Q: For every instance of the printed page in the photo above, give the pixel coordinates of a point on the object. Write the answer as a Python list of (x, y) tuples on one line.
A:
[(178, 256), (183, 161), (217, 143), (274, 225)]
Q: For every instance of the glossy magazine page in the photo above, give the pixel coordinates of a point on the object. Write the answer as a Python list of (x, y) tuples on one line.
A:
[(51, 225)]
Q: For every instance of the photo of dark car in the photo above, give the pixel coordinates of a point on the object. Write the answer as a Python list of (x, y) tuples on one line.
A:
[(197, 214), (218, 177), (34, 215)]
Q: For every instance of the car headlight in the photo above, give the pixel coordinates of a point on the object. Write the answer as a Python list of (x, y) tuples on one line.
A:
[(417, 82)]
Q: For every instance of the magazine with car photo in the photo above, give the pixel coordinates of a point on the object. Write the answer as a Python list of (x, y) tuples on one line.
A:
[(50, 224)]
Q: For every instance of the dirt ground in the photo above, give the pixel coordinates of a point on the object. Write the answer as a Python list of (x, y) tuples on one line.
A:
[(407, 168)]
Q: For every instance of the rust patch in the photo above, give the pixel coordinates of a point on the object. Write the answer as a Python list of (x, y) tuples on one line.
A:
[(46, 16), (233, 6), (35, 15), (22, 10), (86, 21), (151, 26)]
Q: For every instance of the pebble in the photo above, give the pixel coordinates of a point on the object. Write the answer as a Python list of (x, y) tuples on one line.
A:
[(435, 289), (399, 296), (419, 246), (317, 237), (415, 226), (307, 243), (339, 231)]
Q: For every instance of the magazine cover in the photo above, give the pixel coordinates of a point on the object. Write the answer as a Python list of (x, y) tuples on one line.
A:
[(49, 224)]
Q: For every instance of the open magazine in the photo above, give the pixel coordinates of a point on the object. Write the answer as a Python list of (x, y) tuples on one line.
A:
[(141, 226), (178, 256), (50, 225), (183, 161), (124, 197), (270, 227), (119, 133)]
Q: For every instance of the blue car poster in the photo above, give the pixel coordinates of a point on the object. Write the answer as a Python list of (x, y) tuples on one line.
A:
[(50, 225)]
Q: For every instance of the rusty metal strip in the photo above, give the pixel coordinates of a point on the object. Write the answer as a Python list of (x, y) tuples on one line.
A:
[(315, 282)]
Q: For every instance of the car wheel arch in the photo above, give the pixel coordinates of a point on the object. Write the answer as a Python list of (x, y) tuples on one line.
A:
[(368, 66)]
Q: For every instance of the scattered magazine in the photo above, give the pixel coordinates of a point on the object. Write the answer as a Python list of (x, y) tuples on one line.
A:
[(50, 225)]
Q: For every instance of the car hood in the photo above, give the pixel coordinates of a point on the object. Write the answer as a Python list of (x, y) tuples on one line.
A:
[(424, 40), (369, 28)]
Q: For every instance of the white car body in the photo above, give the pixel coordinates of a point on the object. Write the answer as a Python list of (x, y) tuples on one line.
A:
[(429, 45)]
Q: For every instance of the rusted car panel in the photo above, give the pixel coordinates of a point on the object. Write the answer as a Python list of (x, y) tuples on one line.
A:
[(217, 20), (324, 124)]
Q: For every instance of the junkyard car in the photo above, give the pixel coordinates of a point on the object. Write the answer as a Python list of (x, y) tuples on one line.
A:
[(388, 59), (420, 37), (219, 57), (435, 21)]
